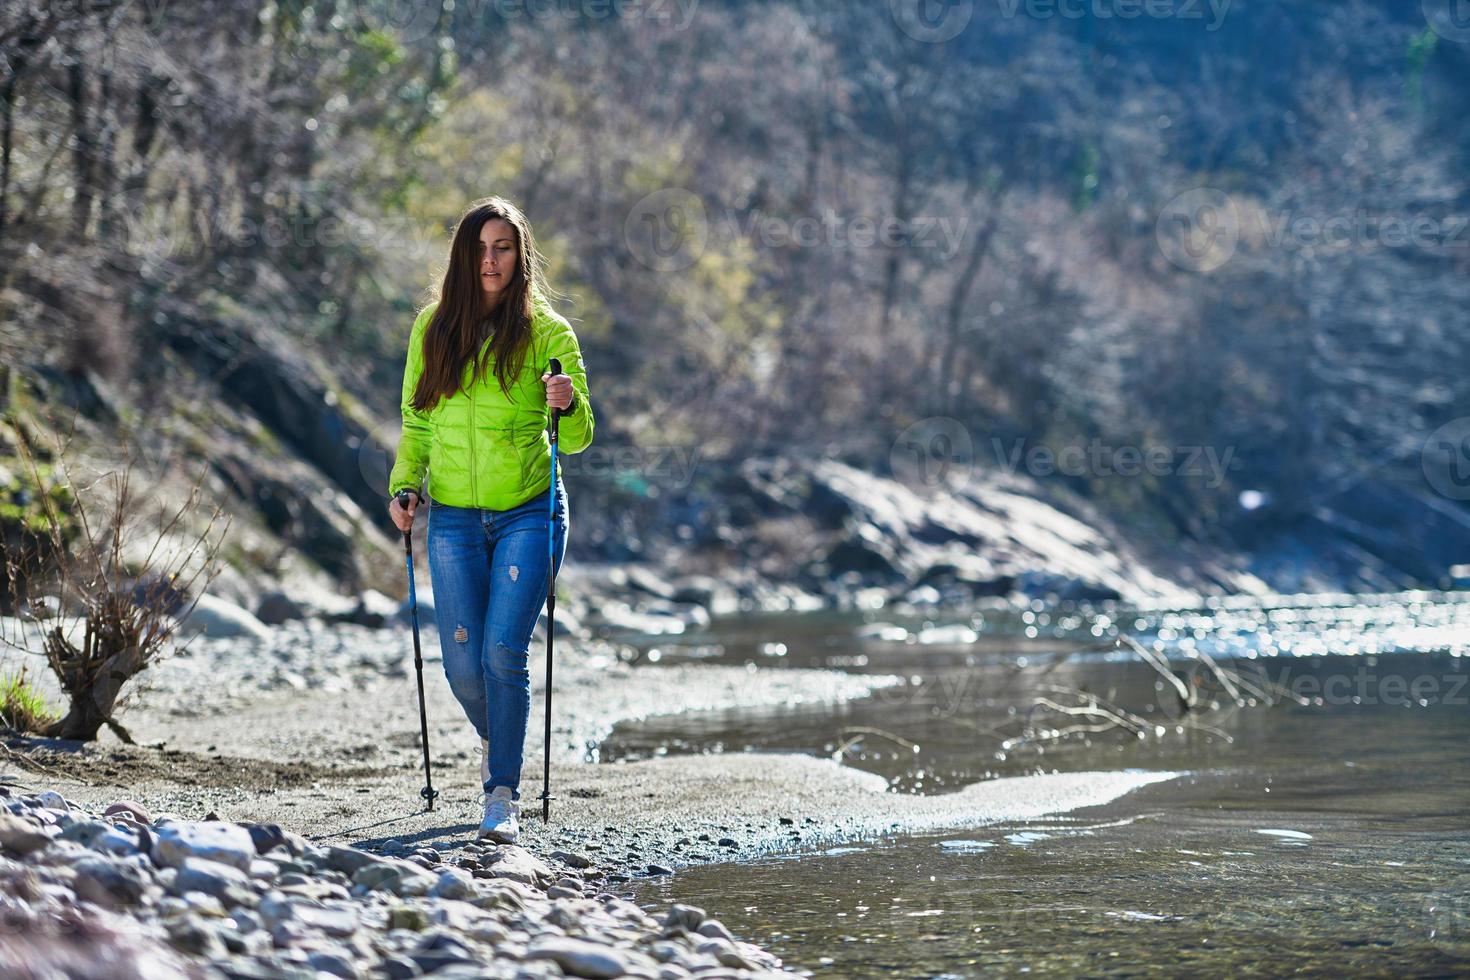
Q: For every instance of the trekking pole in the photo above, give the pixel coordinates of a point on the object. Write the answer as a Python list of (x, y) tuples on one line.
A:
[(428, 792), (546, 796)]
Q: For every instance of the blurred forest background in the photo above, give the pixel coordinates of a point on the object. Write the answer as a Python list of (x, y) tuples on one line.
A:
[(217, 220)]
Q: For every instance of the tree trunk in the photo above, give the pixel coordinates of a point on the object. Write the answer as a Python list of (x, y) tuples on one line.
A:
[(83, 148), (959, 299), (92, 704)]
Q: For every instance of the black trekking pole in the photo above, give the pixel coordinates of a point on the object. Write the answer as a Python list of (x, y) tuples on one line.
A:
[(428, 792), (546, 796)]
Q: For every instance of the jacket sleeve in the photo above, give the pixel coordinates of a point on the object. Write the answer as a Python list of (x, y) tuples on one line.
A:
[(574, 429), (417, 435)]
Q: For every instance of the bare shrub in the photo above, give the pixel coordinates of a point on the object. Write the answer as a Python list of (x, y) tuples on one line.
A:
[(129, 608)]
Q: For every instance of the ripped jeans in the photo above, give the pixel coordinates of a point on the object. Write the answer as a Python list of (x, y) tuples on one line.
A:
[(488, 569)]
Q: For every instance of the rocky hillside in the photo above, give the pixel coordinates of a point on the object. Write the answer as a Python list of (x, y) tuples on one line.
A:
[(1237, 240)]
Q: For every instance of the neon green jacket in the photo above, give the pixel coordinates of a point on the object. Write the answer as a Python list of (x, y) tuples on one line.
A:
[(482, 448)]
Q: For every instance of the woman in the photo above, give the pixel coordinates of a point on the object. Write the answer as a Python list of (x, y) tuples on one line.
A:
[(476, 393)]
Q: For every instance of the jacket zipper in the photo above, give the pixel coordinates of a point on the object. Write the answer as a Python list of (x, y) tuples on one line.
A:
[(474, 460)]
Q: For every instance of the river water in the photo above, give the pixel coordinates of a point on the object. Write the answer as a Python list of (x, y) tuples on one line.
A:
[(1322, 829)]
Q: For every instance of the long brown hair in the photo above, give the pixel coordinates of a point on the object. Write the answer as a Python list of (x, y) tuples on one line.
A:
[(461, 322)]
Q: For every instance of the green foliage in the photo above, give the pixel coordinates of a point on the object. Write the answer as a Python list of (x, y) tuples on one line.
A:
[(22, 508), (22, 707), (1421, 49), (1085, 178)]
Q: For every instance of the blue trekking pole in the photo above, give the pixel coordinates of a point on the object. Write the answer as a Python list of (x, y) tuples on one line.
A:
[(428, 792), (546, 796)]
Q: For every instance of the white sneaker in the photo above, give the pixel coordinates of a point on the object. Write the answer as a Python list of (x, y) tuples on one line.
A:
[(500, 824)]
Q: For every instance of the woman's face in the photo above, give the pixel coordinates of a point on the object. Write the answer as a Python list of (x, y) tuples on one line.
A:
[(497, 257)]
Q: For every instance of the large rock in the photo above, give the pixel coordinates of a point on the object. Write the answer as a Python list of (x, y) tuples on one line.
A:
[(217, 618), (226, 843), (112, 882), (711, 593), (373, 609), (276, 608), (225, 882), (397, 877), (21, 836), (580, 958), (518, 864), (686, 918)]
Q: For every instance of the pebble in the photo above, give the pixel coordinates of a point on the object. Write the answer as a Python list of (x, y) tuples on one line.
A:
[(518, 864), (112, 882), (571, 859), (685, 917), (579, 958), (86, 832), (334, 964), (21, 836), (52, 800), (715, 929), (724, 951), (129, 810), (268, 836), (214, 878), (398, 877), (407, 917), (454, 883), (331, 921), (190, 934)]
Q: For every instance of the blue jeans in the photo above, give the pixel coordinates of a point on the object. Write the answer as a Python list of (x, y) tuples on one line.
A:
[(489, 570)]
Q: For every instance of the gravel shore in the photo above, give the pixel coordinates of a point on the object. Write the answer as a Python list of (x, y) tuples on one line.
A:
[(315, 730)]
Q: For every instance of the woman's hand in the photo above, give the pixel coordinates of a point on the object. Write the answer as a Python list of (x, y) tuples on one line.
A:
[(403, 517), (558, 390)]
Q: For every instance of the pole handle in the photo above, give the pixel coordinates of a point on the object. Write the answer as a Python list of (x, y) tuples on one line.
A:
[(403, 502), (554, 370)]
